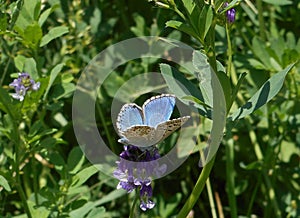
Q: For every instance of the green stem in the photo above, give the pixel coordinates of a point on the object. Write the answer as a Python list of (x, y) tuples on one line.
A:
[(262, 27), (253, 195), (35, 180), (18, 181), (131, 215), (189, 204), (230, 174), (110, 141), (210, 47), (179, 13), (211, 199), (230, 71)]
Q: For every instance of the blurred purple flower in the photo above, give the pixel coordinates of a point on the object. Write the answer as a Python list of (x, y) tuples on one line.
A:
[(230, 14), (23, 84), (146, 194), (138, 175)]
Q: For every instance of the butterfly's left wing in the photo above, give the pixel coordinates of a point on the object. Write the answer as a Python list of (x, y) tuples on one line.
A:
[(130, 115), (142, 136), (158, 109)]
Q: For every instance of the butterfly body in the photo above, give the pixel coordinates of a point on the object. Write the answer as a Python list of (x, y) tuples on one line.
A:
[(148, 125)]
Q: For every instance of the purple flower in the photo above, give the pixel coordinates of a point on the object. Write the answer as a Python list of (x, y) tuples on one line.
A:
[(138, 175), (23, 84), (230, 14)]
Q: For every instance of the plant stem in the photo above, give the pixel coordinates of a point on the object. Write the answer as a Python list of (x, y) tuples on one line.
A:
[(230, 174), (189, 204), (131, 215), (262, 26), (110, 141), (210, 47), (18, 180), (230, 71), (211, 199)]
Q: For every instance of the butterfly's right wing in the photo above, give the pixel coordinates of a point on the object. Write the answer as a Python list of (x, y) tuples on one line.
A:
[(158, 109), (130, 115), (165, 129)]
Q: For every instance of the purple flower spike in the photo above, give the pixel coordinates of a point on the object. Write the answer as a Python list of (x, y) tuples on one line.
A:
[(138, 176), (23, 84), (230, 14)]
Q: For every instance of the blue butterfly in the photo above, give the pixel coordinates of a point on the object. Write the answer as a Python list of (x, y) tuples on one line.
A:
[(148, 125)]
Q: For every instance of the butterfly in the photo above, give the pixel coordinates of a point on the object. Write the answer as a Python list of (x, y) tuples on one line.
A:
[(148, 125)]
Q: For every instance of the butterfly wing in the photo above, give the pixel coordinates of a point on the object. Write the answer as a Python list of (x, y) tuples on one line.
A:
[(130, 115), (139, 136), (165, 129), (158, 109)]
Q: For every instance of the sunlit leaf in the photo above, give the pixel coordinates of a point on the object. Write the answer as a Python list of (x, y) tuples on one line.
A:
[(54, 33), (4, 183), (178, 25), (270, 88), (53, 74)]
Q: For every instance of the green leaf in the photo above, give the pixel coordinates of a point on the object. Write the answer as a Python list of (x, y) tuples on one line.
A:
[(140, 28), (178, 25), (166, 208), (189, 6), (63, 90), (205, 20), (38, 211), (19, 61), (53, 34), (256, 165), (95, 20), (290, 148), (53, 74), (56, 159), (50, 142), (240, 187), (203, 71), (3, 21), (83, 176), (269, 89), (32, 35), (260, 51), (187, 146), (117, 193), (231, 5), (182, 87), (237, 87), (35, 128), (278, 2), (75, 160), (204, 75), (15, 12), (41, 134), (27, 14), (96, 212), (30, 67), (43, 17), (7, 105), (82, 211), (4, 183)]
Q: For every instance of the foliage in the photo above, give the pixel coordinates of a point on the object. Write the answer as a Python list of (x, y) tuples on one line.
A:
[(43, 171)]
